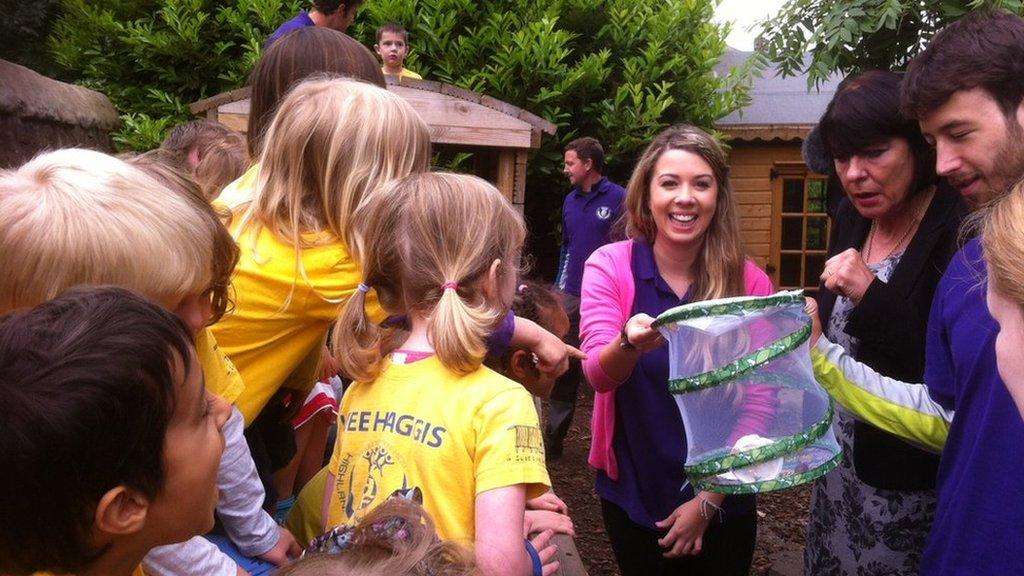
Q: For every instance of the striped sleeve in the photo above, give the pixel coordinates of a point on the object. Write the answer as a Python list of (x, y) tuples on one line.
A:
[(899, 408)]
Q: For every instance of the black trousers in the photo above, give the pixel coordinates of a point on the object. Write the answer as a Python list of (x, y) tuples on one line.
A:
[(271, 440), (727, 548), (562, 404)]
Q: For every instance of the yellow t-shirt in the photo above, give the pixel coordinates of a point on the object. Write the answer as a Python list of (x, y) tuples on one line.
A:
[(304, 519), (278, 319), (240, 191), (453, 436), (405, 73), (222, 378)]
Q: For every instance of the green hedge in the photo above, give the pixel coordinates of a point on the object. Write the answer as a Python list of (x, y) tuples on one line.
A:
[(619, 70)]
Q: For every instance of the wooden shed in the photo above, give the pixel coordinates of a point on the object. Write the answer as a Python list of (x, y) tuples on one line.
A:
[(498, 134), (782, 202)]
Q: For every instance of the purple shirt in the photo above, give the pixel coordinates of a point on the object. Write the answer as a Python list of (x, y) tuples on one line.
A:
[(301, 21), (587, 219), (649, 440), (979, 518)]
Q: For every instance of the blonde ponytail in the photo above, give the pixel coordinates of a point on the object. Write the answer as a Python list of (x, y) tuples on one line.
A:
[(458, 331), (427, 243)]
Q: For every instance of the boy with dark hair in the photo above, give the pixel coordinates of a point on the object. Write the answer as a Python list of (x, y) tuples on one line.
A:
[(335, 14), (590, 209), (111, 442), (967, 91), (393, 48)]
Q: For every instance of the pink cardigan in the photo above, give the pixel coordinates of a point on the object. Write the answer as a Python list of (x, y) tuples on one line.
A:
[(606, 301)]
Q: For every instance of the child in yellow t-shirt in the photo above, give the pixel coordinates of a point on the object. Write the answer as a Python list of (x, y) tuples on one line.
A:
[(74, 217), (111, 442), (393, 48), (329, 143), (423, 412)]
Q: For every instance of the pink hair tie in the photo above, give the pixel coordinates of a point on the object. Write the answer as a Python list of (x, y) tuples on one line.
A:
[(450, 284)]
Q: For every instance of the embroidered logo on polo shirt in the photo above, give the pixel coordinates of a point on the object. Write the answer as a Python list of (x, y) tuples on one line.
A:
[(604, 212)]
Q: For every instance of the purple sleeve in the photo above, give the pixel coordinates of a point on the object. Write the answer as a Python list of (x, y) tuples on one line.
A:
[(499, 340)]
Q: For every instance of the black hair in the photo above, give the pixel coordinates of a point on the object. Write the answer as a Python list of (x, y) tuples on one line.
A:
[(86, 394), (331, 6), (866, 111), (533, 301), (394, 28)]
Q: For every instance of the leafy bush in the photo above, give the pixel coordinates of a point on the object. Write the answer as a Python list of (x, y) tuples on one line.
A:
[(155, 57), (619, 70), (24, 28), (848, 36)]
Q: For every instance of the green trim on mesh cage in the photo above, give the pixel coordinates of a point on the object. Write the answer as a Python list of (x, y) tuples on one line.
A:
[(730, 306), (770, 485), (762, 454), (742, 365)]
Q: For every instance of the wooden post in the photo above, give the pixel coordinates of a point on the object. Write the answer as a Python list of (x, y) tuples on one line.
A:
[(519, 191), (506, 181)]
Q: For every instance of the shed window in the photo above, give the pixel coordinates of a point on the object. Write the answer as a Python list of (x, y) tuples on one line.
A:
[(802, 229)]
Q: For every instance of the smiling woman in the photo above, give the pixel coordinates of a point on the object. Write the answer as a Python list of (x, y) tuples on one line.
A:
[(684, 247)]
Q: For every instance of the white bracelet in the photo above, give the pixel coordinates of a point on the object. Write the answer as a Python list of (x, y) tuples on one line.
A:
[(709, 509)]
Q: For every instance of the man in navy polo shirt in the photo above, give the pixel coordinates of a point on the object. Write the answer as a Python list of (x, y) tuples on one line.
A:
[(335, 14), (589, 212)]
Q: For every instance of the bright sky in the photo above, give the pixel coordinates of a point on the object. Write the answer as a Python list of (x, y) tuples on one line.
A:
[(744, 13)]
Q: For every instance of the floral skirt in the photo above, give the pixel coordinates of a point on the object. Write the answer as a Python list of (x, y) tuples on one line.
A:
[(856, 529)]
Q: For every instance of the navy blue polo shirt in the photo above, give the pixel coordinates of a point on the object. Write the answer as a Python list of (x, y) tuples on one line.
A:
[(650, 439), (301, 21), (587, 219)]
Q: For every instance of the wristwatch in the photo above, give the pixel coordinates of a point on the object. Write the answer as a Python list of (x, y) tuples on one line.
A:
[(624, 343)]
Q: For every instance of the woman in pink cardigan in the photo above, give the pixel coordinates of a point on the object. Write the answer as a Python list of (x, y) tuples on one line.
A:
[(684, 246)]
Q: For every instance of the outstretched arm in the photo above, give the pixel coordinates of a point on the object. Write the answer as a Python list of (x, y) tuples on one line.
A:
[(900, 408)]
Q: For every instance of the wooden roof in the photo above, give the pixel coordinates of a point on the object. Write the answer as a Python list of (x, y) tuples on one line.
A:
[(456, 116), (765, 132)]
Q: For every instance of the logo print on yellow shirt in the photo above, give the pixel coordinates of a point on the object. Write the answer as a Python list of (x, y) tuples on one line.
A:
[(372, 469), (529, 443)]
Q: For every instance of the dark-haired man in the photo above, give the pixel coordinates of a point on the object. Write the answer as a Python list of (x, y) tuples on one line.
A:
[(967, 91), (335, 14), (590, 209)]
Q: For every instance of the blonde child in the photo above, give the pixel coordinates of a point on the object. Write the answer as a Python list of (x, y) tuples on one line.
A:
[(331, 142), (397, 538), (1003, 244), (74, 217), (424, 412)]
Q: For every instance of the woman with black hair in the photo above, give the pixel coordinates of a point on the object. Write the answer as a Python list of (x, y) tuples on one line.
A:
[(892, 237)]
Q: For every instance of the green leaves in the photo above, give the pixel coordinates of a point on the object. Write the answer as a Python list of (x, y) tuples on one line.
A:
[(619, 70), (153, 58), (848, 36)]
